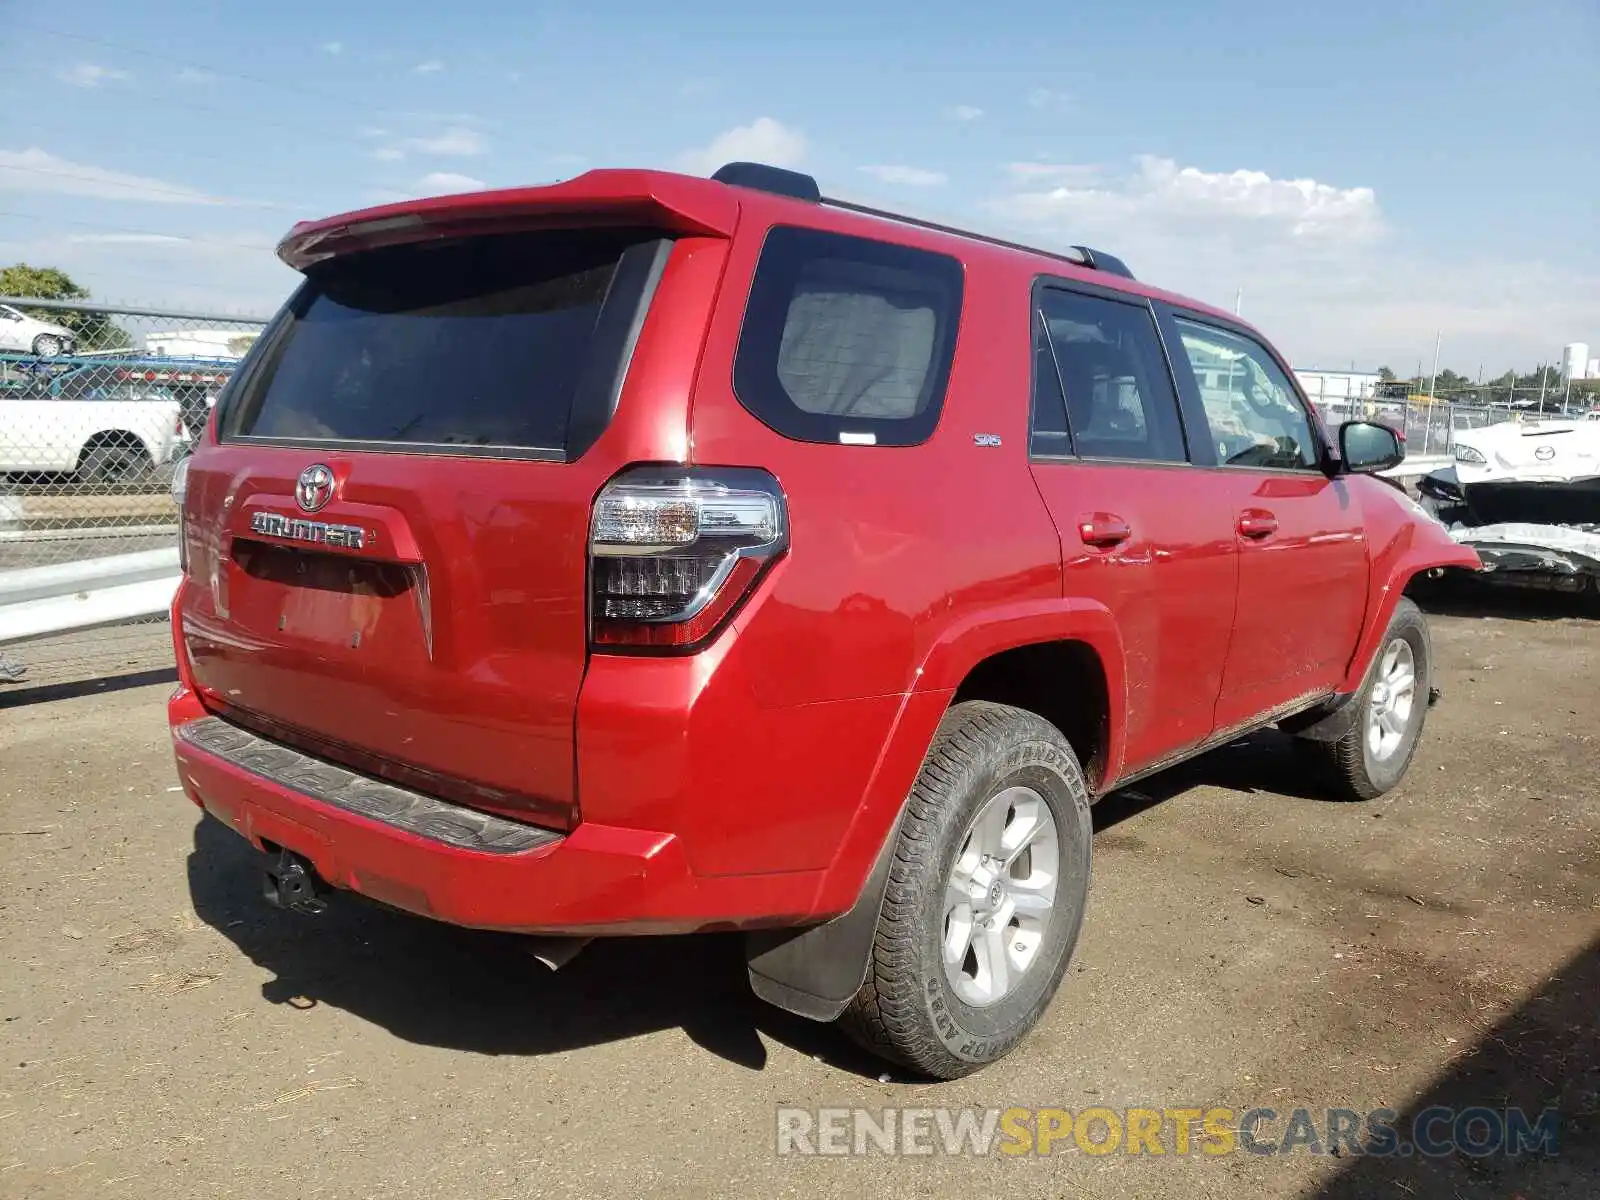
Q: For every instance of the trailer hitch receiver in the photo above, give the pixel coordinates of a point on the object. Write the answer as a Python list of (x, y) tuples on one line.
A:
[(292, 883)]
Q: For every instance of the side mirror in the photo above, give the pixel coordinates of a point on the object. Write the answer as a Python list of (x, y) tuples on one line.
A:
[(1366, 446)]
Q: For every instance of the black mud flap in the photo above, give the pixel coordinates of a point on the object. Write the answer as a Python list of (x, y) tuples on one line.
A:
[(1325, 722), (816, 971)]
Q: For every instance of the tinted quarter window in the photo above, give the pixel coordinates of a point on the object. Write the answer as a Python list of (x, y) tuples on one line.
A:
[(1255, 418), (481, 342), (847, 339), (1049, 434), (1120, 402)]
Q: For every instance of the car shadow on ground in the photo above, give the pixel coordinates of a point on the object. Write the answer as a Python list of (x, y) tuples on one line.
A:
[(1463, 596), (1266, 761), (1545, 1055), (439, 985), (23, 693)]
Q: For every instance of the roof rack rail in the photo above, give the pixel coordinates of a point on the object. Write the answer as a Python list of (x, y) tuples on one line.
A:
[(798, 186)]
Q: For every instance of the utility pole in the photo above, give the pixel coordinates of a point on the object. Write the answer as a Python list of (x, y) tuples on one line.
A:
[(1544, 373), (1238, 301), (1438, 341)]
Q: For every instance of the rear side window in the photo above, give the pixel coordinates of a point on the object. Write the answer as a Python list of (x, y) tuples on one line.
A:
[(848, 339), (507, 343), (1113, 380)]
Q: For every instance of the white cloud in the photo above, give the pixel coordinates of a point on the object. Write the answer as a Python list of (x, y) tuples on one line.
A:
[(432, 66), (1049, 98), (449, 181), (456, 141), (963, 112), (332, 47), (1057, 174), (907, 176), (1159, 190), (35, 170), (210, 272), (1323, 273), (764, 140), (195, 75), (90, 75)]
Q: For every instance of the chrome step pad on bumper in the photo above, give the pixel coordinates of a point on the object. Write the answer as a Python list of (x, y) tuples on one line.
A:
[(426, 816)]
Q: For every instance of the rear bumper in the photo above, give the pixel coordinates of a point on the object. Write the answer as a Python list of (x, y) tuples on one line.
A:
[(456, 865)]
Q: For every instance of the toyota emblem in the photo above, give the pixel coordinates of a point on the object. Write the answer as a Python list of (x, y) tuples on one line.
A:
[(314, 488)]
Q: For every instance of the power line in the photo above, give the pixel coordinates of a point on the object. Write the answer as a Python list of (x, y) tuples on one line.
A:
[(190, 194), (142, 52), (253, 121), (153, 233)]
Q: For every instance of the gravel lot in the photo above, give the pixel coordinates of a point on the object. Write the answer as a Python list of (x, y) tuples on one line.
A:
[(1248, 944)]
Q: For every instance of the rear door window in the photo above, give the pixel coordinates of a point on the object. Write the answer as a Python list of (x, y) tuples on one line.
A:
[(848, 339), (484, 345), (1113, 382)]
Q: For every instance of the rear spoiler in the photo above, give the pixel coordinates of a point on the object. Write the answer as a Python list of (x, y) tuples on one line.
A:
[(656, 198)]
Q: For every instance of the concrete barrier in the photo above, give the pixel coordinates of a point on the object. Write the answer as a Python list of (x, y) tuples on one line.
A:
[(79, 595)]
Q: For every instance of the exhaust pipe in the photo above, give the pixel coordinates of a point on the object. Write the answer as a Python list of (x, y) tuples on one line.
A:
[(556, 952)]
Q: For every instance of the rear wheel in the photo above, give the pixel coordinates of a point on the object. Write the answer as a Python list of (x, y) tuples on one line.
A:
[(1373, 757), (985, 898), (47, 345), (114, 460)]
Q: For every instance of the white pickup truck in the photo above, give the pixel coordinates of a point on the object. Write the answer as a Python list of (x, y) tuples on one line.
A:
[(103, 422), (100, 440)]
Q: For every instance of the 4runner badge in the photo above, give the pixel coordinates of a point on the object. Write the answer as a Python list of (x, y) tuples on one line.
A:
[(297, 529), (314, 488)]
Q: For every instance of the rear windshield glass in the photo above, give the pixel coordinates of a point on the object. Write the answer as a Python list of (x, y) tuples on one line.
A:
[(479, 343), (847, 339)]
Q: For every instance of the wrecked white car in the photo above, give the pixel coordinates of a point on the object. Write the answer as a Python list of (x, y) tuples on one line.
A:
[(1526, 496)]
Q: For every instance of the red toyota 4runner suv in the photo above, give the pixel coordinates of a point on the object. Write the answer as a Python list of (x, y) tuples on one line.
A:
[(646, 554)]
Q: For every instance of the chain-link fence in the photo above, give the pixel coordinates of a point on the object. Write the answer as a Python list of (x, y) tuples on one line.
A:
[(1429, 426), (97, 406)]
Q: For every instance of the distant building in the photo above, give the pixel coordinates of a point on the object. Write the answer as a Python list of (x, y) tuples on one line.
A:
[(201, 343), (1339, 385), (1575, 361)]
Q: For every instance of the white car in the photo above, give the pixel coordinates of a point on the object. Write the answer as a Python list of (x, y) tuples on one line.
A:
[(112, 435), (24, 334)]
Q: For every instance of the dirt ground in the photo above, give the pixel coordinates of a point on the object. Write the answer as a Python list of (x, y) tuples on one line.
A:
[(1248, 944)]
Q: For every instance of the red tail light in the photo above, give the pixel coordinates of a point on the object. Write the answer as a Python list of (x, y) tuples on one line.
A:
[(673, 551)]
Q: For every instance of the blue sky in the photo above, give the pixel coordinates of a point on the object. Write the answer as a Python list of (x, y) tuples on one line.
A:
[(1366, 173)]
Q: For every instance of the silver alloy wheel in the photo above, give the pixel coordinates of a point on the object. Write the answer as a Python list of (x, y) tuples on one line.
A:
[(1394, 692), (1000, 895)]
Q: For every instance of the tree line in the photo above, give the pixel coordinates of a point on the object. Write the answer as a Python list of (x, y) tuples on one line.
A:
[(93, 330)]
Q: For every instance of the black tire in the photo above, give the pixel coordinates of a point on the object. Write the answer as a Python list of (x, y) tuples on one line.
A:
[(115, 461), (907, 1010), (1355, 771), (47, 345)]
